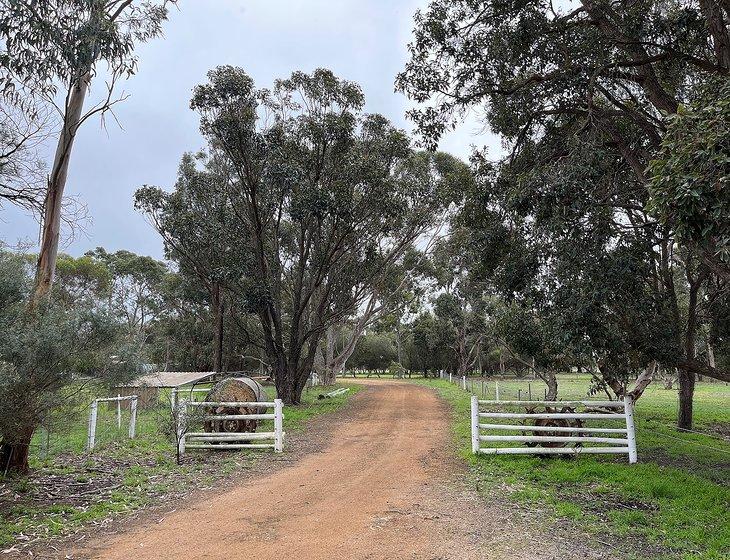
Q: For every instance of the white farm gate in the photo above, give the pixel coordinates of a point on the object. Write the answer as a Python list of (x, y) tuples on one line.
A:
[(552, 432), (223, 441)]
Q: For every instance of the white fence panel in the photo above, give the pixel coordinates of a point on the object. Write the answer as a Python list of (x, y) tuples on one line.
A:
[(223, 441), (576, 435), (94, 410)]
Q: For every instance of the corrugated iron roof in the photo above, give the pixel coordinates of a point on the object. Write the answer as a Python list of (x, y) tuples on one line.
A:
[(169, 378)]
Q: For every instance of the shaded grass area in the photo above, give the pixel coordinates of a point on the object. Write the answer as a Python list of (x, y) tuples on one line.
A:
[(70, 487), (675, 503)]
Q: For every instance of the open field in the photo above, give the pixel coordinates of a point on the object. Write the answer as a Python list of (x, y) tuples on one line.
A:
[(70, 488), (675, 503)]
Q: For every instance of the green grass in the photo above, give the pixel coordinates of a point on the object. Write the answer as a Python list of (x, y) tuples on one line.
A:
[(144, 468), (675, 499)]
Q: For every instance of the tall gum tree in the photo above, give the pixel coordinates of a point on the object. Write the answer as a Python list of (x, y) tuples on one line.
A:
[(329, 198), (52, 51), (200, 233), (553, 80)]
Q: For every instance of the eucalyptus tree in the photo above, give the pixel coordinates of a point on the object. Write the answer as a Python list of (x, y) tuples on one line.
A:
[(81, 279), (430, 344), (329, 199), (581, 95), (374, 352), (402, 285), (53, 50), (576, 282), (460, 301), (690, 176), (133, 293), (181, 335), (200, 233)]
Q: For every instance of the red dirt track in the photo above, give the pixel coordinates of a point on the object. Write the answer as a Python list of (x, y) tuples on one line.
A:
[(382, 487)]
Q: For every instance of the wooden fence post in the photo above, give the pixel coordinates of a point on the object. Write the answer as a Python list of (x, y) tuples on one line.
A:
[(463, 382), (474, 424), (91, 439), (496, 389), (630, 428), (119, 411), (278, 426), (133, 418)]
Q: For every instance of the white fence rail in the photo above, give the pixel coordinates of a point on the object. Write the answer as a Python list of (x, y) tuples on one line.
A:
[(223, 441), (623, 443), (177, 391), (94, 410)]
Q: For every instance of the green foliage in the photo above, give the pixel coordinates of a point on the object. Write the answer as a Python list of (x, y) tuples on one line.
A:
[(580, 95), (327, 201), (690, 176), (430, 344), (134, 291), (373, 352), (57, 41), (42, 352), (197, 224), (81, 279)]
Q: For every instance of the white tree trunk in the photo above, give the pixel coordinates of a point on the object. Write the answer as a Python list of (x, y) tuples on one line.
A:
[(54, 195)]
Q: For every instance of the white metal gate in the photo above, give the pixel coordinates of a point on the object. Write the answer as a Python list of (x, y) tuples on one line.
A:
[(615, 440), (223, 441)]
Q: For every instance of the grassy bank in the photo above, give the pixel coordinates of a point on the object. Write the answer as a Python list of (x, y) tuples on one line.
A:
[(675, 503), (69, 487)]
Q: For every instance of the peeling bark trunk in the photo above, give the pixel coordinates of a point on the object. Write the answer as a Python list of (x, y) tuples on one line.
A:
[(700, 368), (687, 377), (338, 362), (48, 254), (329, 354), (712, 12), (710, 355), (643, 381), (291, 371), (552, 384)]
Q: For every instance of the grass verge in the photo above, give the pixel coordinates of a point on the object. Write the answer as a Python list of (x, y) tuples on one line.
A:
[(72, 488), (675, 503)]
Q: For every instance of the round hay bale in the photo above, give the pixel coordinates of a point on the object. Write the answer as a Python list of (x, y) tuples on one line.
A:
[(235, 389), (558, 423)]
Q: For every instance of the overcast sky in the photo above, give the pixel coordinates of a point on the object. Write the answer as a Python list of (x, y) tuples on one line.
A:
[(363, 41)]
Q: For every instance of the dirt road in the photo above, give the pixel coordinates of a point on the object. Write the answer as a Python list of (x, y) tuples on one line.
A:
[(385, 486)]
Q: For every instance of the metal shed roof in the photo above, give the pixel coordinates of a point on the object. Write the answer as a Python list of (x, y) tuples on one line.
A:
[(169, 378)]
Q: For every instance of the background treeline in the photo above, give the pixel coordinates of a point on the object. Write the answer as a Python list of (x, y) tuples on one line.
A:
[(160, 312)]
